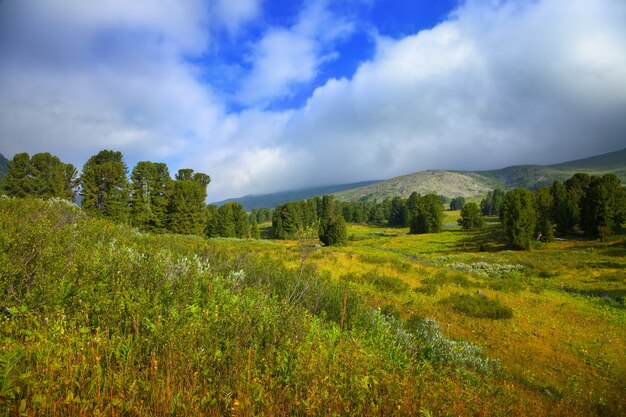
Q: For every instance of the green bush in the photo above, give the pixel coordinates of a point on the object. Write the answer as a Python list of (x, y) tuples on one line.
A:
[(478, 306)]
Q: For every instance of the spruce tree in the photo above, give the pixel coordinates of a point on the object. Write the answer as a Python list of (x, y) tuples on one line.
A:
[(603, 207), (150, 194)]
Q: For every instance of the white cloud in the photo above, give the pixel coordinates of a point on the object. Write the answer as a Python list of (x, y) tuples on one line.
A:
[(233, 14), (286, 58), (498, 83)]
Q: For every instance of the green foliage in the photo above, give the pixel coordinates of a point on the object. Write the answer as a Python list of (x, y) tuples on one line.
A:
[(478, 306), (457, 203), (230, 220), (332, 226), (428, 215), (544, 203), (471, 217), (565, 210), (104, 186), (42, 175), (490, 205), (398, 216), (519, 217), (151, 191), (186, 207), (603, 206)]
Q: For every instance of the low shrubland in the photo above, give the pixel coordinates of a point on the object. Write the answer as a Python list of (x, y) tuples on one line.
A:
[(100, 319)]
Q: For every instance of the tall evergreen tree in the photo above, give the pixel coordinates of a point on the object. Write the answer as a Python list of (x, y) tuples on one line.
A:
[(471, 217), (457, 203), (397, 216), (332, 226), (104, 186), (187, 213), (150, 196), (42, 175), (565, 210), (429, 215), (603, 208), (519, 217), (544, 203)]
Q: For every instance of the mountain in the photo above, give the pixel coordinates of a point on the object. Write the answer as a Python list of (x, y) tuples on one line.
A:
[(3, 165), (476, 183), (451, 183), (272, 200)]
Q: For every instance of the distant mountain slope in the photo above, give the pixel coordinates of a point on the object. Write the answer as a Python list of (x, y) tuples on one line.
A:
[(476, 183), (3, 165), (606, 162), (272, 200), (451, 183), (448, 183)]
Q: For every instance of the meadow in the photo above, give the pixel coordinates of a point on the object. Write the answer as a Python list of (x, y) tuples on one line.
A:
[(100, 319)]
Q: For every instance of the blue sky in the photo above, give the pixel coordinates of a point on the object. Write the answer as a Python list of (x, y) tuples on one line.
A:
[(268, 95)]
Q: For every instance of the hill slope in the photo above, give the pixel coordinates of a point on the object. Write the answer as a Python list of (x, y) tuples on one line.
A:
[(476, 183), (451, 183), (272, 200)]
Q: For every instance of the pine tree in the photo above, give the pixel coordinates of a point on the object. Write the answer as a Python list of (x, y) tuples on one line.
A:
[(255, 231), (519, 217), (471, 217), (603, 207), (545, 207), (42, 175), (429, 215), (104, 186), (457, 203), (332, 228), (150, 194), (187, 213)]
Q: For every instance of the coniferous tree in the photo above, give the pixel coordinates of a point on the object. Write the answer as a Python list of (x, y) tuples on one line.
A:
[(490, 205), (397, 215), (457, 203), (519, 217), (429, 215), (332, 226), (210, 214), (565, 210), (151, 188), (104, 186), (603, 207), (42, 175), (255, 231), (187, 213), (471, 217), (544, 204)]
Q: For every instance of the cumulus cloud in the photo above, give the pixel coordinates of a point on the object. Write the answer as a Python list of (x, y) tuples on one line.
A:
[(496, 83), (285, 58)]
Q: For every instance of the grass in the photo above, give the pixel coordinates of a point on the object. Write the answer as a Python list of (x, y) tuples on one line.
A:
[(98, 319)]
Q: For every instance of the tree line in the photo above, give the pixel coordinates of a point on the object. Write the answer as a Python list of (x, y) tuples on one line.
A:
[(149, 199), (594, 206)]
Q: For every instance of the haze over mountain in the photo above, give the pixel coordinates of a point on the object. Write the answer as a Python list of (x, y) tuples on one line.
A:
[(452, 183)]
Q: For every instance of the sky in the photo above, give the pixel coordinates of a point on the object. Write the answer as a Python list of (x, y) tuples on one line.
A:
[(274, 95)]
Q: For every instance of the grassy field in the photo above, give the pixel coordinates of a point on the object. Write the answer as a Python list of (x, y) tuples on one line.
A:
[(99, 319)]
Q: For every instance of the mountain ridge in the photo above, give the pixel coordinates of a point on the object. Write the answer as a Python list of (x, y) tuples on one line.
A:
[(450, 183)]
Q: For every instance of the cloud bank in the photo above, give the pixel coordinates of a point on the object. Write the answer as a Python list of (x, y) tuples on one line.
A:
[(496, 83)]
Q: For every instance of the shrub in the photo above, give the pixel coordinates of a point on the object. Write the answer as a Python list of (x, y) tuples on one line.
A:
[(478, 306)]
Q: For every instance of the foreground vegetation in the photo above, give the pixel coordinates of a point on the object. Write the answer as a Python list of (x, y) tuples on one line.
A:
[(100, 319)]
